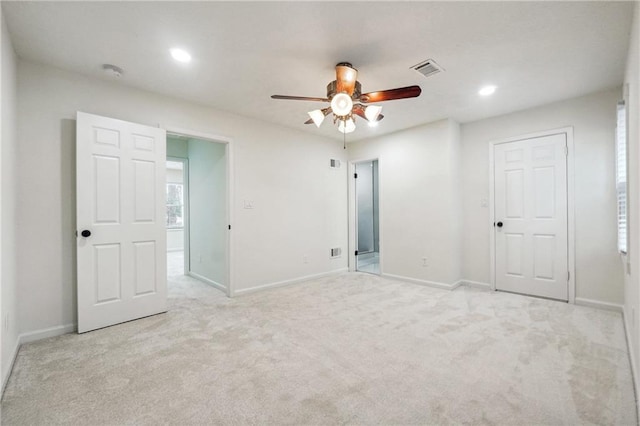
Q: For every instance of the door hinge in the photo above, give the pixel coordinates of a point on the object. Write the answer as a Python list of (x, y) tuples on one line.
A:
[(356, 253), (568, 276), (355, 176)]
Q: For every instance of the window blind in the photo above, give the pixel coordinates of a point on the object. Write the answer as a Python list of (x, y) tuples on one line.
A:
[(621, 175)]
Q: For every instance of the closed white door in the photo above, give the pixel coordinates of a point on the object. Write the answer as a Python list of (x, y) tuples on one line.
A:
[(121, 221), (530, 205)]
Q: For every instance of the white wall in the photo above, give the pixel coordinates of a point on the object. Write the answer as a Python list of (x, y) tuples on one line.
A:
[(419, 200), (175, 239), (8, 201), (177, 147), (632, 281), (207, 209), (598, 273), (285, 173)]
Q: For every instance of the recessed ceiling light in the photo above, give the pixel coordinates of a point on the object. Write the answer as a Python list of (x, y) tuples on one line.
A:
[(180, 55), (487, 90)]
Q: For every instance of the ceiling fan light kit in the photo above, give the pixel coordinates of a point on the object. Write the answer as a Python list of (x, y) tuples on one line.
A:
[(317, 116), (372, 112), (347, 125), (341, 104), (341, 95)]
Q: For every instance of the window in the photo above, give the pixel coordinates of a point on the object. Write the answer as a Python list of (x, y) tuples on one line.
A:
[(175, 205), (621, 175)]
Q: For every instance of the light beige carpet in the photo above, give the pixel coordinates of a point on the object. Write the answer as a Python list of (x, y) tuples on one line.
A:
[(351, 349)]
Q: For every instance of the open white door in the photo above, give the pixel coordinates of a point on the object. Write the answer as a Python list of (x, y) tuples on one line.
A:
[(531, 217), (120, 217)]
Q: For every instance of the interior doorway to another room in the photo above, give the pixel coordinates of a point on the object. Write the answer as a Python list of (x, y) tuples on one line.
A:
[(367, 217), (176, 215), (197, 213)]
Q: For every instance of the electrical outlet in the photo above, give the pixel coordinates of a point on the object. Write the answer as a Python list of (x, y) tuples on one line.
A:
[(424, 262), (305, 259)]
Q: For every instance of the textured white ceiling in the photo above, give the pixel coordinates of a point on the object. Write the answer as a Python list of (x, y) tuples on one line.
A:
[(243, 52)]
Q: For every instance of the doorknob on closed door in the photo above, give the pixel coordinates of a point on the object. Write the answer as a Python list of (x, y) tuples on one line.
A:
[(86, 233), (499, 224)]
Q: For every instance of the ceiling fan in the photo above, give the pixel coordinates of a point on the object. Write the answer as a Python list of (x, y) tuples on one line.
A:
[(347, 100)]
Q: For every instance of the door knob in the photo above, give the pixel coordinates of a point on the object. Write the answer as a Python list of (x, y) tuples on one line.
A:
[(499, 224), (86, 233)]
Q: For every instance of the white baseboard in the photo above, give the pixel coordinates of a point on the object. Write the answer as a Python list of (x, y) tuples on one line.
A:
[(288, 282), (33, 336), (208, 281), (14, 355), (632, 357), (427, 283), (475, 284), (445, 286), (599, 305)]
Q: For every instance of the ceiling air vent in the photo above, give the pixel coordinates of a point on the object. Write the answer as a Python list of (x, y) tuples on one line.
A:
[(428, 68)]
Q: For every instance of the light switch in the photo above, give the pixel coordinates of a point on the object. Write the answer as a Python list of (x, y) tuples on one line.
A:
[(484, 202), (248, 204)]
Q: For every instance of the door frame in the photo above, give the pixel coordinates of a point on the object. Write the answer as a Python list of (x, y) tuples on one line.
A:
[(229, 198), (185, 209), (568, 132), (353, 211)]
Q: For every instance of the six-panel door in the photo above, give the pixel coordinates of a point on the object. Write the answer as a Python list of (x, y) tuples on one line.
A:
[(120, 203), (531, 204)]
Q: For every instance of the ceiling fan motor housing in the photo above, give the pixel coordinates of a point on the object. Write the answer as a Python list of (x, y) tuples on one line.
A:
[(332, 89)]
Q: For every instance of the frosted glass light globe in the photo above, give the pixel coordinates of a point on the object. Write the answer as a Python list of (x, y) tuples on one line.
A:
[(341, 104), (372, 112), (346, 126), (317, 116)]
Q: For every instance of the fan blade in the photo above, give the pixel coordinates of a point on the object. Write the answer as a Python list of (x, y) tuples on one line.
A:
[(346, 77), (391, 94), (299, 98), (359, 111)]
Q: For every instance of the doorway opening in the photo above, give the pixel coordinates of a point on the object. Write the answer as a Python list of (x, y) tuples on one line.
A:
[(367, 217), (177, 215), (197, 211)]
